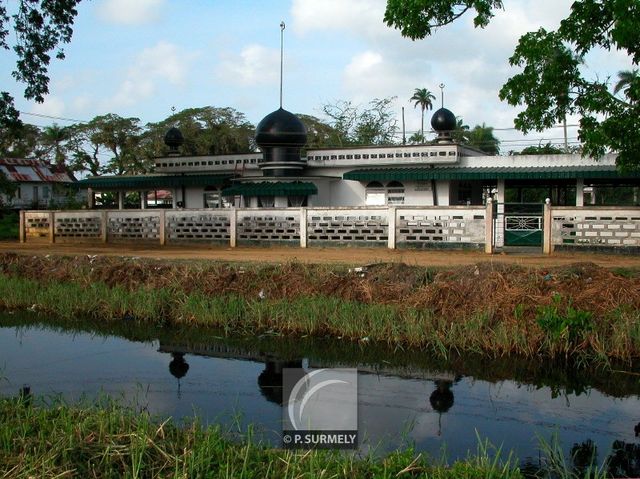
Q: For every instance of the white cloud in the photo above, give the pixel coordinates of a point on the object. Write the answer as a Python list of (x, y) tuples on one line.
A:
[(254, 65), (128, 12), (356, 16), (52, 106), (163, 63)]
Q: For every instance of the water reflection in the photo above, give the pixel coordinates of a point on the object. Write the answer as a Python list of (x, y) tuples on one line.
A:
[(446, 403), (178, 368)]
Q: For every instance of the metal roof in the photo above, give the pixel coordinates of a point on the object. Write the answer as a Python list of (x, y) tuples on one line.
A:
[(275, 188), (148, 182), (488, 173)]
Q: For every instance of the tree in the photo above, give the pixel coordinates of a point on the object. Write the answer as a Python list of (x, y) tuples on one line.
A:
[(461, 133), (547, 149), (206, 130), (551, 85), (319, 133), (482, 138), (19, 142), (422, 97), (53, 139), (626, 79), (7, 187), (373, 124), (121, 138), (39, 28)]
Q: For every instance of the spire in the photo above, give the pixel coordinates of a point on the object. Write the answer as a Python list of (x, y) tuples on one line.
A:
[(282, 27), (441, 95)]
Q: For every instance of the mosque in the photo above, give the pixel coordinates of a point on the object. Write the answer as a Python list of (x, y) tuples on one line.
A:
[(441, 173)]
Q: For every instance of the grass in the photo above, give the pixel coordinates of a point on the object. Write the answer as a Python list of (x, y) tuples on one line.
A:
[(580, 312), (553, 335), (105, 440)]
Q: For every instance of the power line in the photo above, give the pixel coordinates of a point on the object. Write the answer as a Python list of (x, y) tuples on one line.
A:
[(41, 115)]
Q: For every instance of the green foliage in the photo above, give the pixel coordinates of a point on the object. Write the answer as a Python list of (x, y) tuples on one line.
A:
[(9, 225), (569, 326), (547, 149), (7, 187), (38, 29), (418, 18), (206, 130), (483, 139), (422, 98), (551, 84), (319, 133), (373, 124)]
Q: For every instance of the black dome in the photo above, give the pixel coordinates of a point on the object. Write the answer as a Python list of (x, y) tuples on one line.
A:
[(281, 128), (173, 138), (443, 120)]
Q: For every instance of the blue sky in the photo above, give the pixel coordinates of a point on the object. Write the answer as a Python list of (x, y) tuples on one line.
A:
[(139, 58)]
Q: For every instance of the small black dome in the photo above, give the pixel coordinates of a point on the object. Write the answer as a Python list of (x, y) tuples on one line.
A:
[(443, 120), (281, 128), (173, 138)]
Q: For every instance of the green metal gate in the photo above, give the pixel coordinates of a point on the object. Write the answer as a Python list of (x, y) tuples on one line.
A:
[(522, 223)]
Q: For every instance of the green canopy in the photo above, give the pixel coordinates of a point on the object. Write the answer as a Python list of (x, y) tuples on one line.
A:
[(272, 188), (151, 182), (489, 173)]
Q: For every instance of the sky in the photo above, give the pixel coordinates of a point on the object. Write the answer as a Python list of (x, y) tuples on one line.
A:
[(141, 58)]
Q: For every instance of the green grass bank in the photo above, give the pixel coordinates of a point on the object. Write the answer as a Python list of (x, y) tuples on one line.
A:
[(582, 311), (104, 440)]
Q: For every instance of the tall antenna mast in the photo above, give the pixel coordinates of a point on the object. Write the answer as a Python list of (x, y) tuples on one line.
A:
[(441, 95), (282, 27)]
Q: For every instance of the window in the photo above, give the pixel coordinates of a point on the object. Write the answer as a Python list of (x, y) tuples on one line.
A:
[(211, 197), (341, 157), (349, 157), (374, 156), (334, 157), (45, 192), (356, 157), (374, 194), (266, 201), (325, 157), (217, 162), (415, 154), (365, 156), (395, 193), (398, 155), (297, 200)]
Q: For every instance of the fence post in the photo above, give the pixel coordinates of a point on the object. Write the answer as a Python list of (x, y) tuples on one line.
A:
[(22, 233), (488, 228), (52, 227), (547, 243), (233, 227), (104, 226), (162, 232), (391, 235), (303, 227)]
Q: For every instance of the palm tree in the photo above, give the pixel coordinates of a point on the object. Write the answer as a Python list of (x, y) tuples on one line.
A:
[(422, 97), (52, 138), (625, 80), (482, 138), (461, 132)]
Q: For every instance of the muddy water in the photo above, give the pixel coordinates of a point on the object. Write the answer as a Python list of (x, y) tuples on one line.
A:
[(404, 398)]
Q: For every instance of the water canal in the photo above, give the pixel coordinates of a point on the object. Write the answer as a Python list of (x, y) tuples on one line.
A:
[(404, 398)]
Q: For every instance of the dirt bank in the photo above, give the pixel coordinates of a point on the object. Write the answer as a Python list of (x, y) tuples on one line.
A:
[(345, 255)]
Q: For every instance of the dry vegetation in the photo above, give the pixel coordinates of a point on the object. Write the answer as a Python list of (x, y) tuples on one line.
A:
[(482, 307)]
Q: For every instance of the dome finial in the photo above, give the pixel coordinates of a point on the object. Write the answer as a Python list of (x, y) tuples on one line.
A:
[(441, 95), (282, 27)]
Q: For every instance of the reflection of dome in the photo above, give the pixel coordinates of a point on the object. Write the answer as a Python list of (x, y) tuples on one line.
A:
[(443, 120), (270, 380), (441, 399), (178, 367), (281, 128)]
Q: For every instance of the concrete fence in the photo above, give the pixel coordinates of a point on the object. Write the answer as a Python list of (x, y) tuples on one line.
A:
[(393, 227)]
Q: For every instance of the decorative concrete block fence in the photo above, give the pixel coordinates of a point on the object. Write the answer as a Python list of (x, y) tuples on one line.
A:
[(603, 227), (394, 226)]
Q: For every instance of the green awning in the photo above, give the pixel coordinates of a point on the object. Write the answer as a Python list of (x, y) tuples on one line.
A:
[(151, 182), (272, 188), (497, 173)]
